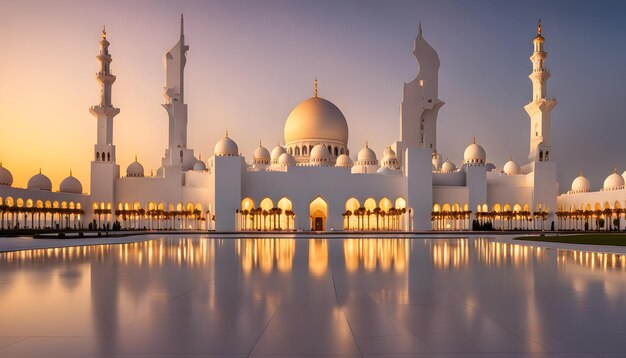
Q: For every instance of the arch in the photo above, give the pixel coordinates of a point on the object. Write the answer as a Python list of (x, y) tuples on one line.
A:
[(400, 203), (497, 208), (305, 150), (286, 216), (369, 204), (617, 205), (72, 205), (485, 208), (38, 204), (78, 206), (352, 204), (108, 157), (179, 207), (436, 208), (20, 202), (9, 201), (318, 212), (526, 207), (479, 208), (97, 156), (342, 151), (29, 203), (456, 207), (466, 207), (607, 205), (247, 204), (161, 206), (384, 204), (507, 207), (290, 151), (517, 208), (266, 204), (336, 152), (136, 205), (297, 151), (445, 207), (48, 204)]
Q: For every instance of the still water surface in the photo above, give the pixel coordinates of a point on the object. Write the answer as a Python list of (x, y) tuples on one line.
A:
[(351, 297)]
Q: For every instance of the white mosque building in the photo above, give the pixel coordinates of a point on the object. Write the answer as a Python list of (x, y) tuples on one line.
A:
[(312, 182)]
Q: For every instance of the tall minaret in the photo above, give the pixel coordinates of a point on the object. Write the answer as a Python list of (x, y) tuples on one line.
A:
[(104, 170), (104, 112), (540, 108), (174, 93), (421, 103)]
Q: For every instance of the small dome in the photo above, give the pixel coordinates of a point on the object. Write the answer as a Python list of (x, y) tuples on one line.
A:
[(286, 159), (389, 153), (474, 154), (6, 178), (261, 155), (71, 185), (277, 152), (199, 165), (613, 181), (581, 184), (511, 168), (448, 167), (40, 181), (366, 156), (226, 147), (134, 169), (388, 171), (320, 152), (344, 161)]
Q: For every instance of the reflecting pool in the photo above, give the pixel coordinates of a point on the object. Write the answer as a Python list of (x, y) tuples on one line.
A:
[(196, 296)]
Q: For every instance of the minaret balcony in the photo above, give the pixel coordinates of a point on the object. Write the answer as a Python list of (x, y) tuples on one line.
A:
[(105, 77), (108, 111)]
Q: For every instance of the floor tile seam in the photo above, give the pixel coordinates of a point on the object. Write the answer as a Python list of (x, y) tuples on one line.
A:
[(263, 331), (392, 317), (332, 277)]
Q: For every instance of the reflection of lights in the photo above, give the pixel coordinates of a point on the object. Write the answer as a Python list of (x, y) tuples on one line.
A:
[(383, 254), (591, 260), (318, 256), (450, 253), (183, 252), (263, 253)]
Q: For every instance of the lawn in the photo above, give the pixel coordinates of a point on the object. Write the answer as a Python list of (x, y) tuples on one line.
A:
[(613, 239)]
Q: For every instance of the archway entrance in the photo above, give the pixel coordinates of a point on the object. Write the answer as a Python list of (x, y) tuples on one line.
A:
[(318, 211)]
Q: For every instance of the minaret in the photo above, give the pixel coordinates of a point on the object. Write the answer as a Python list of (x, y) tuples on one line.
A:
[(174, 93), (540, 108), (104, 170), (104, 112), (421, 103)]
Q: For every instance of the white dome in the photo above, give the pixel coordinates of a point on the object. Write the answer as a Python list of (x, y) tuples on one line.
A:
[(261, 155), (389, 153), (320, 152), (277, 152), (344, 161), (448, 167), (316, 119), (71, 185), (6, 178), (199, 165), (388, 171), (40, 181), (474, 154), (286, 159), (134, 169), (366, 155), (226, 147), (581, 184), (613, 182), (511, 168)]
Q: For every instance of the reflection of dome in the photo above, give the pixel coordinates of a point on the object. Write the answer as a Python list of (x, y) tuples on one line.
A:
[(474, 154), (6, 178), (39, 181), (134, 169), (448, 167), (71, 185), (581, 184), (286, 159), (226, 147), (511, 168), (344, 161), (199, 165), (613, 181), (366, 156), (316, 119), (277, 152), (261, 155)]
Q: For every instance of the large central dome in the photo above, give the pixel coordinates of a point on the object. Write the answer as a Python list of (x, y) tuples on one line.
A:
[(316, 119)]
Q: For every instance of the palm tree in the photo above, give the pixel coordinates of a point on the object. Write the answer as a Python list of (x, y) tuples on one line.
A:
[(349, 214), (377, 214)]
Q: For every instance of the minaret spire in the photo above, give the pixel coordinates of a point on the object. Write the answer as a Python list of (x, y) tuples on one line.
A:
[(540, 108), (419, 29), (315, 88), (182, 26)]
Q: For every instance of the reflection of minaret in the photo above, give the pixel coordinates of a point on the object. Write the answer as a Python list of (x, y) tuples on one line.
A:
[(174, 93), (104, 303), (540, 108)]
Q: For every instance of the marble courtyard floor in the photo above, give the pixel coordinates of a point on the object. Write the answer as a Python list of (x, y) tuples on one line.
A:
[(195, 296)]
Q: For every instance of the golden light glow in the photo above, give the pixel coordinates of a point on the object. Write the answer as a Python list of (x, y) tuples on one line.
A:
[(265, 255), (372, 254)]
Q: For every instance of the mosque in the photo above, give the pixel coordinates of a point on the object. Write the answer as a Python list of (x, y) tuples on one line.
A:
[(314, 182)]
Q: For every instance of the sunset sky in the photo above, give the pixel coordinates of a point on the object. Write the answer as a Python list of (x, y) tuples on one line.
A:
[(251, 62)]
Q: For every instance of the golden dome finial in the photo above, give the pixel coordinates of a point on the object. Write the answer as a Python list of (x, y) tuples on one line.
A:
[(70, 172), (539, 27), (581, 172), (226, 134), (614, 168), (315, 89), (104, 32), (474, 140)]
